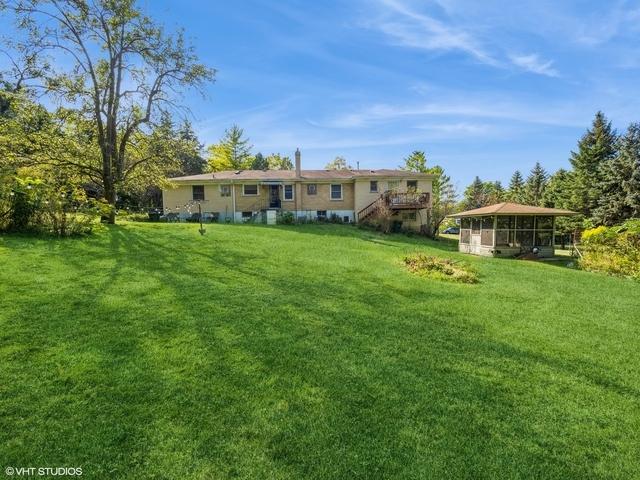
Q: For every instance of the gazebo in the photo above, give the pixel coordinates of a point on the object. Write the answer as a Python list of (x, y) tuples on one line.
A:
[(509, 229)]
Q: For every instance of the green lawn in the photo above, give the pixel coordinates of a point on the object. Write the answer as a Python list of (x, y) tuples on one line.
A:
[(148, 351)]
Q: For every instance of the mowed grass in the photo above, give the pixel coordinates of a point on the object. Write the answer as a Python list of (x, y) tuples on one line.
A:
[(149, 351)]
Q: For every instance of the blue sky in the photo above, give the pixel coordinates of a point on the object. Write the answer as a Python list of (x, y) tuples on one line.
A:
[(482, 87)]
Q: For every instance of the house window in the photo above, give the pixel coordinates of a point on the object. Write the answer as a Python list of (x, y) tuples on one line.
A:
[(250, 189), (198, 192), (346, 219), (312, 189), (321, 214), (412, 185), (225, 190), (373, 186), (288, 192), (336, 191), (246, 215), (393, 185)]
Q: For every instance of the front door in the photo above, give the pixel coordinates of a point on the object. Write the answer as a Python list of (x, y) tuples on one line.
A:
[(274, 196)]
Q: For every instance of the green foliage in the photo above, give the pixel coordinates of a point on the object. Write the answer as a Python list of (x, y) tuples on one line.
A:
[(516, 191), (416, 162), (232, 152), (338, 163), (480, 194), (117, 72), (189, 151), (535, 186), (275, 161), (61, 209), (618, 190), (614, 250), (597, 146), (443, 201), (259, 162), (440, 268), (286, 218)]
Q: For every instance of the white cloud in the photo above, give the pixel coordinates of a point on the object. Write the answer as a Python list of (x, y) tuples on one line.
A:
[(533, 63), (417, 30)]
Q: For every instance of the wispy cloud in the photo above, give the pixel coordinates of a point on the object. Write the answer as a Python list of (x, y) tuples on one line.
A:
[(418, 30), (533, 63)]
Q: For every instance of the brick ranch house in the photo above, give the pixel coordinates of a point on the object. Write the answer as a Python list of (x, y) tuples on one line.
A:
[(259, 195)]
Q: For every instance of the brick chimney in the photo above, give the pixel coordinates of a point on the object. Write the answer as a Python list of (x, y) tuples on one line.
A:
[(298, 163)]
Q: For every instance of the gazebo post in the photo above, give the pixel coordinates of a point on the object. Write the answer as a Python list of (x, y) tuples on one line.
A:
[(495, 232)]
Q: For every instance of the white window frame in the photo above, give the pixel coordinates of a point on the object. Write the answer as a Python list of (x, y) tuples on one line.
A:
[(245, 194), (393, 185), (284, 192), (222, 186), (331, 185)]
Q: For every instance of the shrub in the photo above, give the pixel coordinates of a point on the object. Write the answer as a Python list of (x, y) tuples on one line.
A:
[(440, 268), (32, 205), (286, 218), (614, 250)]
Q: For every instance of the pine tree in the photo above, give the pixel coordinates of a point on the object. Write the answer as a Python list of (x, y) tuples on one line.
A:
[(633, 184), (515, 192), (596, 146), (259, 162), (443, 198), (558, 194), (416, 162), (475, 195), (535, 185), (616, 181), (190, 154), (233, 152)]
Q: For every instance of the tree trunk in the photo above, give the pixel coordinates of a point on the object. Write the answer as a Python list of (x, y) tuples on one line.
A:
[(110, 196)]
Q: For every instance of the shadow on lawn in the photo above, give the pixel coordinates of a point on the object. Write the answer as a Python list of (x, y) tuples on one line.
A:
[(264, 370)]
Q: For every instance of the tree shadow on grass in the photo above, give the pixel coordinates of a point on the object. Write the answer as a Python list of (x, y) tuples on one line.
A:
[(243, 368)]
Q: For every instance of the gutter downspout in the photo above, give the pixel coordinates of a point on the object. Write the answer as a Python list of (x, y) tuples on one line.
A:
[(233, 200)]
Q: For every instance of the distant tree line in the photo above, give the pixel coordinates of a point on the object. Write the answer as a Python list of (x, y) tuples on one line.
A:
[(603, 185)]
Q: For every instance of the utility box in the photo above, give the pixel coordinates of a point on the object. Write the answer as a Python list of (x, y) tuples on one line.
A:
[(271, 217)]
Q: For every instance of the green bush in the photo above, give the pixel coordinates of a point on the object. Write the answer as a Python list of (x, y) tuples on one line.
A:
[(614, 250), (32, 205), (440, 268), (286, 218)]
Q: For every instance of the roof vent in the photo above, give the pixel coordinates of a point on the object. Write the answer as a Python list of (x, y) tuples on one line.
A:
[(238, 172)]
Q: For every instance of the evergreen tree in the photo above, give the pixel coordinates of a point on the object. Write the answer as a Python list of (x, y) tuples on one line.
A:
[(557, 193), (515, 193), (416, 162), (615, 202), (535, 185), (596, 146), (275, 161), (190, 151), (443, 198), (259, 162), (339, 163), (233, 152), (494, 192), (633, 185), (474, 195)]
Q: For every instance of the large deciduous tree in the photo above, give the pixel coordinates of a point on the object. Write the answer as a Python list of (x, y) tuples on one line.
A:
[(120, 71)]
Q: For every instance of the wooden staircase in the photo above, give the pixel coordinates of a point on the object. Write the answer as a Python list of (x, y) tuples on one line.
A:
[(395, 201)]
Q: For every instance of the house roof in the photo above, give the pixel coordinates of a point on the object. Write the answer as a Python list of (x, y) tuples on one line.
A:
[(513, 209), (304, 175)]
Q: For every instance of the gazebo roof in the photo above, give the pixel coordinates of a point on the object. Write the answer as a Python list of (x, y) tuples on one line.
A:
[(506, 208)]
